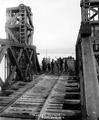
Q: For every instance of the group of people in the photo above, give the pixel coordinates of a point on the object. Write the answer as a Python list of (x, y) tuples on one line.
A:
[(54, 66)]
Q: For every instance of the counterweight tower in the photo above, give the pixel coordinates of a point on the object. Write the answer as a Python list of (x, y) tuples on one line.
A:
[(18, 48)]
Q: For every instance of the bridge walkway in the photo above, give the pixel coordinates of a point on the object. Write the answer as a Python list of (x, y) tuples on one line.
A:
[(48, 97)]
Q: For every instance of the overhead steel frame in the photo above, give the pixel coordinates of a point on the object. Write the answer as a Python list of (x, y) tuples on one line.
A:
[(87, 59), (20, 54)]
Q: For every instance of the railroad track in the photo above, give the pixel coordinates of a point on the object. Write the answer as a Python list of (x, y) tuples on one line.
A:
[(61, 106), (13, 93), (52, 98)]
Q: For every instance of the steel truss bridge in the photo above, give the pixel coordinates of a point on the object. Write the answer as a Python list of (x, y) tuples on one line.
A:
[(25, 95)]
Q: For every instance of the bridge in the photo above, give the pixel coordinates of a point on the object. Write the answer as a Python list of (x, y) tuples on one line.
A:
[(28, 94)]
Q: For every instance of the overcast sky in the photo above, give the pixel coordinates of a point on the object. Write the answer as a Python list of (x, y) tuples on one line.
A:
[(56, 23)]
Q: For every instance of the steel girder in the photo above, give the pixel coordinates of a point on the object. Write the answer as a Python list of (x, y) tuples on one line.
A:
[(22, 66), (21, 55)]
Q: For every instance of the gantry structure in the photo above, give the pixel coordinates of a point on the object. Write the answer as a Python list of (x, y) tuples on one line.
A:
[(87, 59), (20, 54)]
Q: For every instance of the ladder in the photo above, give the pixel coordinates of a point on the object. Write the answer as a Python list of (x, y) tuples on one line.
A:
[(22, 30), (22, 27)]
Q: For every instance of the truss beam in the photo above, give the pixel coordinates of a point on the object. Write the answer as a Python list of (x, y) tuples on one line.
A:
[(21, 54)]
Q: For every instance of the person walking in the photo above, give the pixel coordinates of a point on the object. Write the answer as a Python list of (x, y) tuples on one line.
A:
[(52, 66)]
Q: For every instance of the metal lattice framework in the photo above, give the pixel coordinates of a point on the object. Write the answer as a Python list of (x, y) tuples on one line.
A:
[(20, 54)]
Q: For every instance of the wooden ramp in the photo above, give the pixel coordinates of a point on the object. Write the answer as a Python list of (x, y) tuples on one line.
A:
[(51, 97)]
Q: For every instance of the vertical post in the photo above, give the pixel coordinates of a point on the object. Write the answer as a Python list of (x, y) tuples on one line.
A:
[(84, 11), (5, 63), (90, 79)]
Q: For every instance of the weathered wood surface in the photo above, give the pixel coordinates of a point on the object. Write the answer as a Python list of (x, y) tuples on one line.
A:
[(48, 99)]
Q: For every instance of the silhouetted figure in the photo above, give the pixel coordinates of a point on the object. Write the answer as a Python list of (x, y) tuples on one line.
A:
[(52, 66), (61, 64), (44, 65), (57, 64), (66, 66), (49, 65)]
